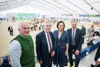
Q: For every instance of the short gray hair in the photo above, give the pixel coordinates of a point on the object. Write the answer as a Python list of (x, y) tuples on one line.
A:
[(73, 21), (47, 22), (19, 25)]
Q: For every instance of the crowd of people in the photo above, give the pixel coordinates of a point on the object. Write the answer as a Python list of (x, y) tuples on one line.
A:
[(50, 47), (96, 21), (95, 39), (38, 23)]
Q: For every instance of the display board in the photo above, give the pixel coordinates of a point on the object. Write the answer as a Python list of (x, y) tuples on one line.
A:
[(21, 16)]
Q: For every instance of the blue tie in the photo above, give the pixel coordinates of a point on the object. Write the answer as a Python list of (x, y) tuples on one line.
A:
[(73, 38)]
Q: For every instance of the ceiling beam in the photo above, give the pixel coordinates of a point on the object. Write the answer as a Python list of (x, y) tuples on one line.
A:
[(13, 3), (48, 6), (57, 6), (44, 7), (54, 8), (91, 6), (10, 2), (66, 7), (77, 6)]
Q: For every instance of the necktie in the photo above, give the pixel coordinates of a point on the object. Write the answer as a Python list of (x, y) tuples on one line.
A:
[(10, 28), (49, 42), (73, 38)]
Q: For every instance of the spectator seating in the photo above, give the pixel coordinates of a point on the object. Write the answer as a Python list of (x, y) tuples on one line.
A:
[(82, 54), (89, 50)]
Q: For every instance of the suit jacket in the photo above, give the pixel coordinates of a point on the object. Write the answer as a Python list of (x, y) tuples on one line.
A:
[(42, 46), (97, 56), (10, 29), (83, 31), (64, 38), (78, 38)]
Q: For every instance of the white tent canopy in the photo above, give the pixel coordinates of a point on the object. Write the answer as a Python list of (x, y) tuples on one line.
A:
[(55, 6)]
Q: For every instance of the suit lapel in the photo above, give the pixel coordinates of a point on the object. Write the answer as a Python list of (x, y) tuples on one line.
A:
[(71, 34), (50, 36), (76, 34), (45, 38), (57, 34)]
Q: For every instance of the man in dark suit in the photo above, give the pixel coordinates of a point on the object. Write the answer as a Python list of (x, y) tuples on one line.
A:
[(45, 46), (97, 58), (83, 32), (10, 29), (75, 41)]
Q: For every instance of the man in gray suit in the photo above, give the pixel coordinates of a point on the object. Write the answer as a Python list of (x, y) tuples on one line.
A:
[(75, 42)]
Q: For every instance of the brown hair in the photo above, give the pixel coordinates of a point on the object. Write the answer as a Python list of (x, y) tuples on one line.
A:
[(92, 26), (60, 22)]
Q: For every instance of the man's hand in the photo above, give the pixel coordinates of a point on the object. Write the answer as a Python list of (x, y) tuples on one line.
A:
[(52, 54), (77, 52), (97, 63), (41, 62), (66, 52)]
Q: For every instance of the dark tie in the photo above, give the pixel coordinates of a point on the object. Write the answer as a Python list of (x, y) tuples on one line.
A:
[(73, 38), (49, 42)]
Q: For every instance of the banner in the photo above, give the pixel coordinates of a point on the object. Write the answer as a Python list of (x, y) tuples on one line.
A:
[(89, 15), (21, 16), (83, 15)]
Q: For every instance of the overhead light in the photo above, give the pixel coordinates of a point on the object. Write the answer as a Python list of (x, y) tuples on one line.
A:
[(91, 8)]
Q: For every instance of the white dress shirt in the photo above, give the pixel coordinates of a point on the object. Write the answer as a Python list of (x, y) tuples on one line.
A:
[(48, 41), (58, 38), (96, 39), (15, 52), (10, 28), (99, 59)]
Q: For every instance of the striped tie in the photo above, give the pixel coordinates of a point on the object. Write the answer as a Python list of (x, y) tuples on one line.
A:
[(49, 42)]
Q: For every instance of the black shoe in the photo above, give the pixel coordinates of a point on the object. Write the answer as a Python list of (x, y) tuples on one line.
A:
[(74, 60)]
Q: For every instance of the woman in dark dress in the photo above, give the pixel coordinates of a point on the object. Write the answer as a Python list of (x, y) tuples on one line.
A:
[(61, 45)]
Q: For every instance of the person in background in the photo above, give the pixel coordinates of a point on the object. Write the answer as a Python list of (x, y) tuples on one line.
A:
[(83, 32), (95, 39), (42, 24), (21, 48), (34, 24), (10, 29), (5, 62), (39, 25), (61, 45), (91, 31)]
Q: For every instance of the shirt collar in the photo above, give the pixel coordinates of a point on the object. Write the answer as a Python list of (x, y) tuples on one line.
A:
[(24, 36), (74, 29), (46, 32)]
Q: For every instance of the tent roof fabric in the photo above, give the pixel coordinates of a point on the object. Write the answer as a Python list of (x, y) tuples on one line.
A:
[(56, 6)]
